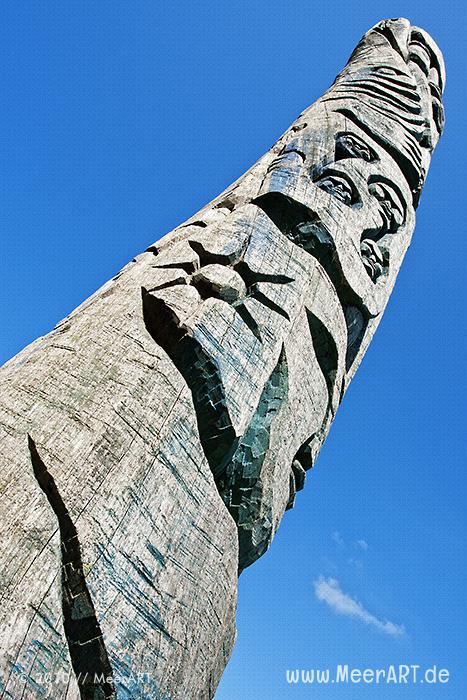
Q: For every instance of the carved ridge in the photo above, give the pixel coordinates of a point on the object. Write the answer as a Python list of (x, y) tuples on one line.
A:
[(88, 653)]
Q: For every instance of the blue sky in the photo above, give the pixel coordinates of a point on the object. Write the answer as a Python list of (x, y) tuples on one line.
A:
[(120, 120)]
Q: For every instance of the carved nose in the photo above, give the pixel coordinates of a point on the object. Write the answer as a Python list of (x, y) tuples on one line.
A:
[(219, 281)]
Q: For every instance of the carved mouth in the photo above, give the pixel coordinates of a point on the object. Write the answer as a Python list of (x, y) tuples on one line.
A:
[(372, 258)]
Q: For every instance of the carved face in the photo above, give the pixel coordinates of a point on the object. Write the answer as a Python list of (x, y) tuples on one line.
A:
[(356, 205), (265, 304)]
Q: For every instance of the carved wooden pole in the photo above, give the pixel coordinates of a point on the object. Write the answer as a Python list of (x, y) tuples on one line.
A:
[(152, 441)]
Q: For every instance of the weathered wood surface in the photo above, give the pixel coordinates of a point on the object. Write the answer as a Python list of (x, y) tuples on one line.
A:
[(151, 443)]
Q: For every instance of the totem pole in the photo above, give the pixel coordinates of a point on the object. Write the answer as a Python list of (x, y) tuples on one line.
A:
[(151, 443)]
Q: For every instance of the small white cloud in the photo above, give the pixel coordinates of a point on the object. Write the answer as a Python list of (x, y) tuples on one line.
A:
[(362, 544), (336, 536), (330, 592), (356, 562)]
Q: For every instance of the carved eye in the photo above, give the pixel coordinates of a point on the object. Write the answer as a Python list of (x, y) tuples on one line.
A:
[(349, 146), (338, 187), (391, 209), (386, 70)]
